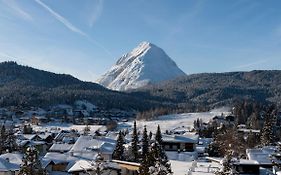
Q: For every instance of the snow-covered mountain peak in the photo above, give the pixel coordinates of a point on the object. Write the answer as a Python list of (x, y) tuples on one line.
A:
[(145, 64)]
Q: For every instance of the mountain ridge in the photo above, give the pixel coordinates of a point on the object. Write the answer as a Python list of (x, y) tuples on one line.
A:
[(218, 89), (145, 64), (27, 86)]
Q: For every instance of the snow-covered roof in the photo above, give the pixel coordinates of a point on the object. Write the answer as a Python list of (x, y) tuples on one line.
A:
[(44, 136), (261, 155), (89, 106), (15, 158), (89, 144), (57, 158), (60, 147), (126, 162), (80, 165), (180, 138), (28, 136), (249, 130), (63, 106), (247, 162), (5, 165)]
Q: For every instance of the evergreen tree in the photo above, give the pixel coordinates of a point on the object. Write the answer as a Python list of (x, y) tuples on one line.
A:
[(86, 130), (253, 121), (145, 144), (154, 154), (267, 136), (276, 159), (227, 165), (118, 153), (10, 142), (162, 157), (135, 141), (158, 136), (159, 169), (144, 168), (3, 138), (150, 135), (31, 163), (27, 129)]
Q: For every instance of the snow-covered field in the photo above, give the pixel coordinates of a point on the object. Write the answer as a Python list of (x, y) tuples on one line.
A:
[(177, 121), (167, 122)]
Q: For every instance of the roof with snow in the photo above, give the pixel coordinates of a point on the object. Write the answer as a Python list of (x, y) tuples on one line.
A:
[(261, 155), (5, 165), (15, 158), (180, 138), (60, 147), (89, 144), (58, 158)]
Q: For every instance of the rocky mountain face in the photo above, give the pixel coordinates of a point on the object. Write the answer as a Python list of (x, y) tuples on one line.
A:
[(146, 64)]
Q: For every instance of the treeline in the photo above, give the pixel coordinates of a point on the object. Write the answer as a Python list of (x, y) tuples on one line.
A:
[(156, 112), (25, 86), (262, 129), (219, 89), (148, 151)]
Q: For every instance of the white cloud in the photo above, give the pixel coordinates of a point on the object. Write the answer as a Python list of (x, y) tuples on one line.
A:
[(17, 10)]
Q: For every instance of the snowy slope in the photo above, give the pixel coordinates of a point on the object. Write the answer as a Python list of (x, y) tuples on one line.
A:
[(143, 65), (176, 121)]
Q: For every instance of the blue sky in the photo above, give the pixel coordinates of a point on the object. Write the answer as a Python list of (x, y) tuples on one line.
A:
[(84, 38)]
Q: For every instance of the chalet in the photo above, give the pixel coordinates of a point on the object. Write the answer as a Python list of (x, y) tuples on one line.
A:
[(244, 166), (261, 155), (58, 162), (60, 147), (40, 141), (180, 143), (88, 146), (82, 166), (128, 168), (8, 168), (41, 146), (38, 120), (61, 111), (10, 163)]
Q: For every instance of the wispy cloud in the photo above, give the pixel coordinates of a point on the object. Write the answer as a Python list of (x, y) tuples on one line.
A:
[(61, 19), (251, 65), (70, 26), (17, 10), (96, 12)]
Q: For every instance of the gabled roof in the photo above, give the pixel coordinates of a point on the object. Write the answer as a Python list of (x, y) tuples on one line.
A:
[(8, 166), (80, 165), (89, 144), (180, 138), (261, 155), (15, 158), (57, 158), (61, 147)]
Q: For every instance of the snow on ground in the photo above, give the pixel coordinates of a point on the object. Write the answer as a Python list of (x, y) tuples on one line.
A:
[(176, 121), (182, 167), (65, 126)]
